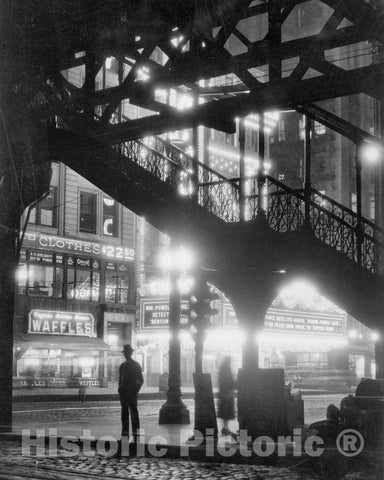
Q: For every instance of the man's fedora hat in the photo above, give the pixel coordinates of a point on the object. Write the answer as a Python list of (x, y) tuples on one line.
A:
[(127, 349)]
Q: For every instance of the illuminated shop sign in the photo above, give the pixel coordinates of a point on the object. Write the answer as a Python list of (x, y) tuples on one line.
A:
[(154, 314), (61, 323), (71, 245), (304, 322), (286, 321)]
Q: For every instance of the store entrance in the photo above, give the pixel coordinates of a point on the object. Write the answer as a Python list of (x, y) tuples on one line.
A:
[(114, 363)]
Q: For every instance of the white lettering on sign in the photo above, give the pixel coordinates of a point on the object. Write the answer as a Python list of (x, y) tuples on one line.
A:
[(294, 321), (78, 246), (61, 323), (155, 313)]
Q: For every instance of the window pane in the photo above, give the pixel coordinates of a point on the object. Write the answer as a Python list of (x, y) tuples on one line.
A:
[(123, 295), (281, 130), (83, 285), (58, 283), (46, 218), (319, 129), (123, 283), (109, 217), (87, 221), (95, 286), (22, 275), (32, 216), (40, 280), (70, 283), (110, 286), (45, 211)]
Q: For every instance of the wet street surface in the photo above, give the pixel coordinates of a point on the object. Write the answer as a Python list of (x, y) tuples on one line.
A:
[(102, 418), (314, 409)]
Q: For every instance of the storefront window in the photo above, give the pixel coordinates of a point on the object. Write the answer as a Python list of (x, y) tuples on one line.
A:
[(70, 283), (110, 282), (56, 367), (40, 280), (123, 283), (22, 276), (95, 286), (117, 282), (83, 282), (83, 285), (74, 277), (58, 283)]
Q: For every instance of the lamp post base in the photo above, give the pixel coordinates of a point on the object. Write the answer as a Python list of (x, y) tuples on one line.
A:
[(174, 411)]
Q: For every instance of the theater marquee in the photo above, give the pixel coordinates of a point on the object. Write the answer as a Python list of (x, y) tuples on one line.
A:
[(61, 323)]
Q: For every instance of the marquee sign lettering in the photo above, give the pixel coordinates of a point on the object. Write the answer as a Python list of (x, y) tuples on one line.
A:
[(154, 314), (71, 245), (61, 323), (293, 321)]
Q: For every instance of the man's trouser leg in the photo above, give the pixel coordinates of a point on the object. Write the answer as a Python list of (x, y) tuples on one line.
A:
[(125, 406), (134, 415)]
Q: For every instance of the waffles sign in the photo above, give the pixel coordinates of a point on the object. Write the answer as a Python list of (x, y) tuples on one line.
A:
[(61, 323)]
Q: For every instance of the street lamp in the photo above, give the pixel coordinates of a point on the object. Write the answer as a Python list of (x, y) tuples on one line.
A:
[(371, 153), (174, 261)]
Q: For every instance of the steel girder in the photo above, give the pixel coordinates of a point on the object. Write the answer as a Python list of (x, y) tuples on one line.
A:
[(201, 43)]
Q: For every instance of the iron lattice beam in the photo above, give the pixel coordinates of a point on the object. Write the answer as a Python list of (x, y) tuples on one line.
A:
[(282, 94), (184, 67), (339, 125), (120, 29)]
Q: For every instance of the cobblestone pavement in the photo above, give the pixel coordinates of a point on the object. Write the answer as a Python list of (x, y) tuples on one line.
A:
[(16, 466), (13, 465), (106, 416)]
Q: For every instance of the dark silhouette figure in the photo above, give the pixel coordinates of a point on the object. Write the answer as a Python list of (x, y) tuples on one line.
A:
[(226, 409), (130, 382), (328, 429)]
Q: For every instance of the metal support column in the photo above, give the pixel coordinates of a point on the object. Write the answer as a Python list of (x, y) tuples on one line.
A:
[(199, 350), (307, 167), (358, 204), (379, 356), (195, 147), (174, 410), (250, 351), (242, 169), (260, 172)]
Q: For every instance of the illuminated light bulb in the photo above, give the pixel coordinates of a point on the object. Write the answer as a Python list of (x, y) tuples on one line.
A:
[(372, 153), (375, 336)]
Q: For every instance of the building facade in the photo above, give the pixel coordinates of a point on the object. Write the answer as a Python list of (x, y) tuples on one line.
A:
[(75, 304)]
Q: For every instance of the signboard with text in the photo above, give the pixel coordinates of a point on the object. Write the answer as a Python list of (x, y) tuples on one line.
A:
[(72, 245), (61, 323), (304, 322), (154, 314), (293, 321)]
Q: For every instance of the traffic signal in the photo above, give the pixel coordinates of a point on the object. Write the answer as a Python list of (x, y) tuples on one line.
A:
[(200, 309)]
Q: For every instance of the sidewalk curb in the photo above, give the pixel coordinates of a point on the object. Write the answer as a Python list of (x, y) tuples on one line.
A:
[(114, 397)]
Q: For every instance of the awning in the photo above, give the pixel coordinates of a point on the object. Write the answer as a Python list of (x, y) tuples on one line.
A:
[(67, 342)]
